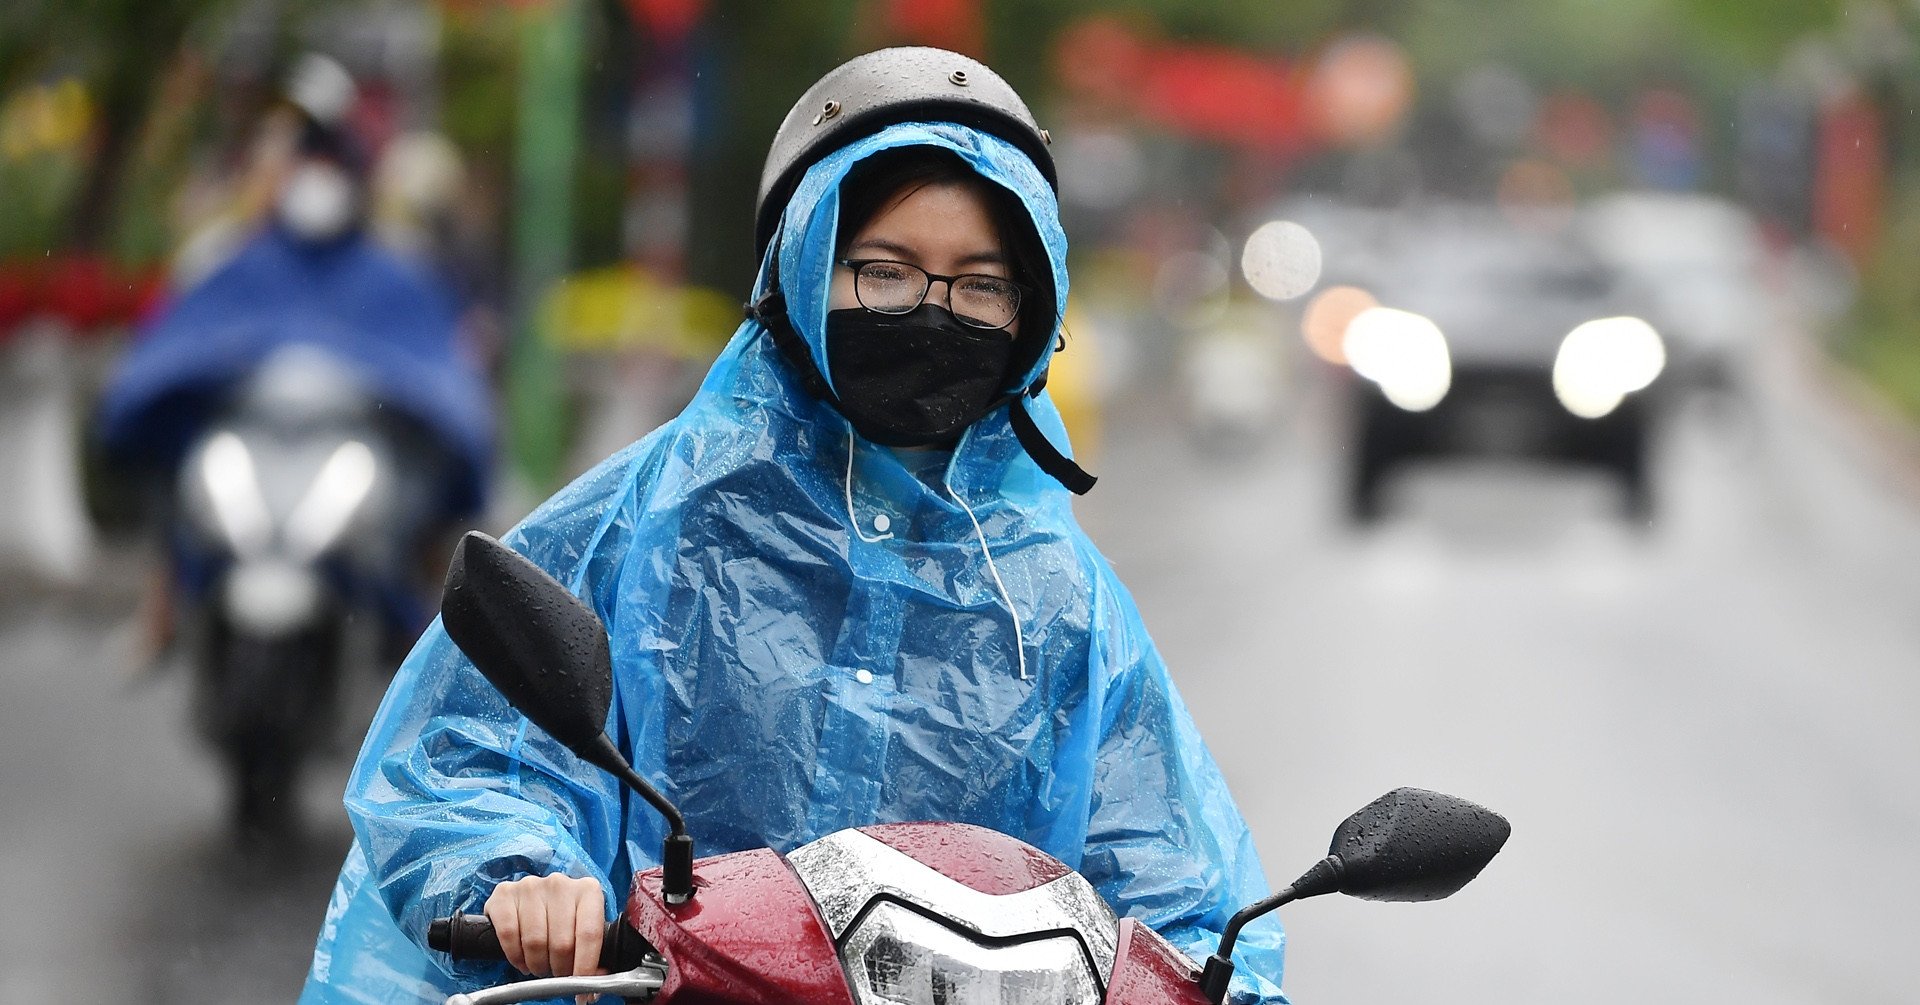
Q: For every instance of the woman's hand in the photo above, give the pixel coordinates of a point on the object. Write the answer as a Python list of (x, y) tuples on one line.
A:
[(550, 926)]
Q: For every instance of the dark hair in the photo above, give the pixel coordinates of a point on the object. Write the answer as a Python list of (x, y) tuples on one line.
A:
[(881, 181)]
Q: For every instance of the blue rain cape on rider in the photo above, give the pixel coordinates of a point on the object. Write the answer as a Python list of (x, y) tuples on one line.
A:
[(386, 319), (787, 663)]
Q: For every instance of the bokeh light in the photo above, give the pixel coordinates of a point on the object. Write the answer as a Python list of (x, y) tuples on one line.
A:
[(1361, 90), (1603, 361), (1281, 260), (1324, 326), (1402, 352)]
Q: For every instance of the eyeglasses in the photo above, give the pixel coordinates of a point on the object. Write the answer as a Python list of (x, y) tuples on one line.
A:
[(887, 287)]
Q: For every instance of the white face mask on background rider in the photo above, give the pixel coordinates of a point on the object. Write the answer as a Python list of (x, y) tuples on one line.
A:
[(319, 201)]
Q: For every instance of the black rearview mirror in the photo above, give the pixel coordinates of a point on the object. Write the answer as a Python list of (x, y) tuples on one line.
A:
[(1408, 845), (1412, 845), (547, 653), (541, 646)]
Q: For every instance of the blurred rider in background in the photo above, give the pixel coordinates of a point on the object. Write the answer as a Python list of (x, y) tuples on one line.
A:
[(312, 280)]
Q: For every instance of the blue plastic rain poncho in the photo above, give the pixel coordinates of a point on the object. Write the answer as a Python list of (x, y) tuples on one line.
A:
[(387, 319), (808, 634)]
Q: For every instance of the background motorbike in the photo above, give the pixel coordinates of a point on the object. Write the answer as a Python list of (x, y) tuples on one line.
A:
[(899, 914), (292, 515)]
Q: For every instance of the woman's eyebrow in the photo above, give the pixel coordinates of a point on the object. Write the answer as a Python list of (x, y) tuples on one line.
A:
[(984, 258), (909, 255), (880, 244)]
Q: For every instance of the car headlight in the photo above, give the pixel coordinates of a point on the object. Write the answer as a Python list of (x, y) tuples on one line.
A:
[(896, 956), (335, 495), (1402, 352), (1602, 361)]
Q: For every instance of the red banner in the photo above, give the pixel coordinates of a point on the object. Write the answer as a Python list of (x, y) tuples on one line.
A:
[(948, 24), (669, 21), (1211, 92)]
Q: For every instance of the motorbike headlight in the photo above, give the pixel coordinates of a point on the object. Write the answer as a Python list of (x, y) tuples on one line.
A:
[(898, 957), (337, 491), (1402, 352), (1602, 361), (271, 598), (233, 493)]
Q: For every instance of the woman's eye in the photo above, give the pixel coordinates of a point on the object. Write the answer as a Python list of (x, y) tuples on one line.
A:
[(983, 286), (983, 292), (881, 272)]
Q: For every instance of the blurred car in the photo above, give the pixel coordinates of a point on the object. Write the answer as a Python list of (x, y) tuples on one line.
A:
[(1698, 260), (1494, 341)]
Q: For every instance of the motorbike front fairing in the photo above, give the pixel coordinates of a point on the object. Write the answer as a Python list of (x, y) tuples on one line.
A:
[(806, 637), (903, 913), (893, 914)]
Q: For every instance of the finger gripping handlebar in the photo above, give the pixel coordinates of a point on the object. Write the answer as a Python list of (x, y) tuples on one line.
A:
[(470, 937)]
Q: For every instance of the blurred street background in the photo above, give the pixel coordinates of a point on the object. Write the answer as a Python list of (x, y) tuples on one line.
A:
[(1517, 400)]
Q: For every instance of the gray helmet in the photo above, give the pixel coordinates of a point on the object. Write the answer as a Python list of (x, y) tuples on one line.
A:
[(870, 92)]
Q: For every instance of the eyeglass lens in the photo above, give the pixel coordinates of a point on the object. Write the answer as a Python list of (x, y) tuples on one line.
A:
[(896, 288)]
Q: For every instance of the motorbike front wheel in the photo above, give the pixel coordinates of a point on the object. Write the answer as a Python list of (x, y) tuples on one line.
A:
[(265, 703)]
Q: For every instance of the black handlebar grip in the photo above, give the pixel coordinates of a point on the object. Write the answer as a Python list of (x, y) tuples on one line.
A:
[(471, 937), (465, 937)]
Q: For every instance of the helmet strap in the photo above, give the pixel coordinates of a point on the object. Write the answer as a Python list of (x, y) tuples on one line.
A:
[(1041, 449)]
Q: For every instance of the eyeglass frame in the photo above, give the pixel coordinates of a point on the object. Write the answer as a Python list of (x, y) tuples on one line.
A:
[(1020, 290)]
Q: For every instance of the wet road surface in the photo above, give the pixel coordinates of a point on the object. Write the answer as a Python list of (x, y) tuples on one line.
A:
[(1703, 732), (133, 887), (1706, 733)]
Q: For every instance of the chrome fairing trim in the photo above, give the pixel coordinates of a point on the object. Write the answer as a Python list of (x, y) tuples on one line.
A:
[(846, 870), (897, 955)]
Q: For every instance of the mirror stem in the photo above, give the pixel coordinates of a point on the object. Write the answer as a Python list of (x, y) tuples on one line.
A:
[(676, 852), (1324, 877)]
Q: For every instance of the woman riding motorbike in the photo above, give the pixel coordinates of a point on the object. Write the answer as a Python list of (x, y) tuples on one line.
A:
[(844, 586)]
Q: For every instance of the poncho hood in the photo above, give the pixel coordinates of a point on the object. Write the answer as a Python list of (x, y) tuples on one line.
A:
[(803, 247)]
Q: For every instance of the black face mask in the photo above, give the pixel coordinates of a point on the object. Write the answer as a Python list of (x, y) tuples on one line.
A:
[(916, 379)]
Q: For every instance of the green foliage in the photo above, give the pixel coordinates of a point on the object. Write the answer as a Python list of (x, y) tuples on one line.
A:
[(478, 70), (756, 56), (1882, 339), (1754, 31), (755, 59), (38, 189), (119, 49), (1885, 349), (142, 230), (1556, 42)]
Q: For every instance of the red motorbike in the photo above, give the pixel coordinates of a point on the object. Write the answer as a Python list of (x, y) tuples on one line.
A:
[(891, 914)]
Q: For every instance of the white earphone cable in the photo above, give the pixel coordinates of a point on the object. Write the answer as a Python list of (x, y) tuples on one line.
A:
[(1019, 636), (993, 570)]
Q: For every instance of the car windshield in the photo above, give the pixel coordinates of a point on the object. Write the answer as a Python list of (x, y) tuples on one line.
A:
[(1495, 293)]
